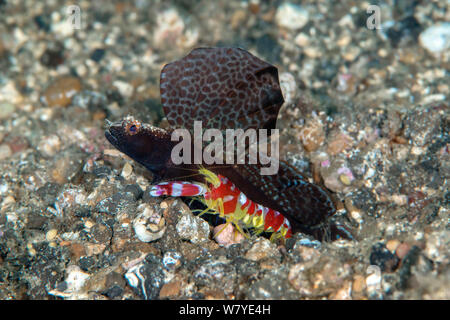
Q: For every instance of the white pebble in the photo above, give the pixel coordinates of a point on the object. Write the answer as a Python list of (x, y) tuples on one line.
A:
[(288, 87), (148, 226), (51, 234), (291, 16), (124, 88), (5, 151), (49, 146), (436, 38), (193, 228), (6, 110)]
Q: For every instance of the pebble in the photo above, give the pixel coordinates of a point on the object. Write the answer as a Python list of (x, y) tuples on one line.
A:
[(380, 256), (343, 293), (262, 248), (77, 250), (170, 289), (238, 18), (302, 40), (392, 245), (192, 228), (436, 39), (337, 176), (65, 167), (9, 92), (373, 281), (226, 235), (291, 16), (125, 89), (312, 135), (358, 284), (288, 87), (72, 287), (172, 260), (127, 170), (339, 143), (148, 226), (169, 28), (345, 179), (6, 110), (53, 55), (147, 277), (402, 250), (61, 91), (306, 253), (49, 146), (51, 234), (5, 152), (216, 273)]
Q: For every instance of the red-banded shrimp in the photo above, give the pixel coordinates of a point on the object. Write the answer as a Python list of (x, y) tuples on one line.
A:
[(222, 197)]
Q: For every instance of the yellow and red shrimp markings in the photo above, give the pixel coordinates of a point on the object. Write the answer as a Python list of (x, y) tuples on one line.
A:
[(222, 197)]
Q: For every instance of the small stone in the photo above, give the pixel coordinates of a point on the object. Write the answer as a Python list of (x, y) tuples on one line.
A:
[(97, 55), (148, 226), (51, 234), (5, 152), (163, 205), (192, 228), (344, 40), (170, 289), (146, 277), (61, 91), (392, 245), (261, 249), (373, 281), (89, 224), (73, 284), (402, 250), (53, 55), (339, 144), (436, 39), (31, 250), (169, 28), (343, 293), (77, 250), (49, 146), (125, 89), (6, 110), (302, 40), (291, 16), (358, 284), (63, 28), (312, 52), (7, 202), (9, 92), (226, 235), (238, 18), (288, 87), (216, 273), (312, 135), (127, 170), (380, 256), (65, 166), (345, 179), (338, 176), (172, 260)]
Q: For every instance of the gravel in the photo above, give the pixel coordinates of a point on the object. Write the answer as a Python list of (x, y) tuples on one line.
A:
[(367, 113)]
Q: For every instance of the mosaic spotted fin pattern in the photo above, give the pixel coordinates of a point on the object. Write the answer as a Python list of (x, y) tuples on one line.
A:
[(305, 204), (226, 88)]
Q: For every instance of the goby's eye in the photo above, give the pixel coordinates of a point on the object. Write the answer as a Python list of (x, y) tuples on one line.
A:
[(133, 128)]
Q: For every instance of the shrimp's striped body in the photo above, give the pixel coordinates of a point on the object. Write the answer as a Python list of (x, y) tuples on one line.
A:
[(222, 197)]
